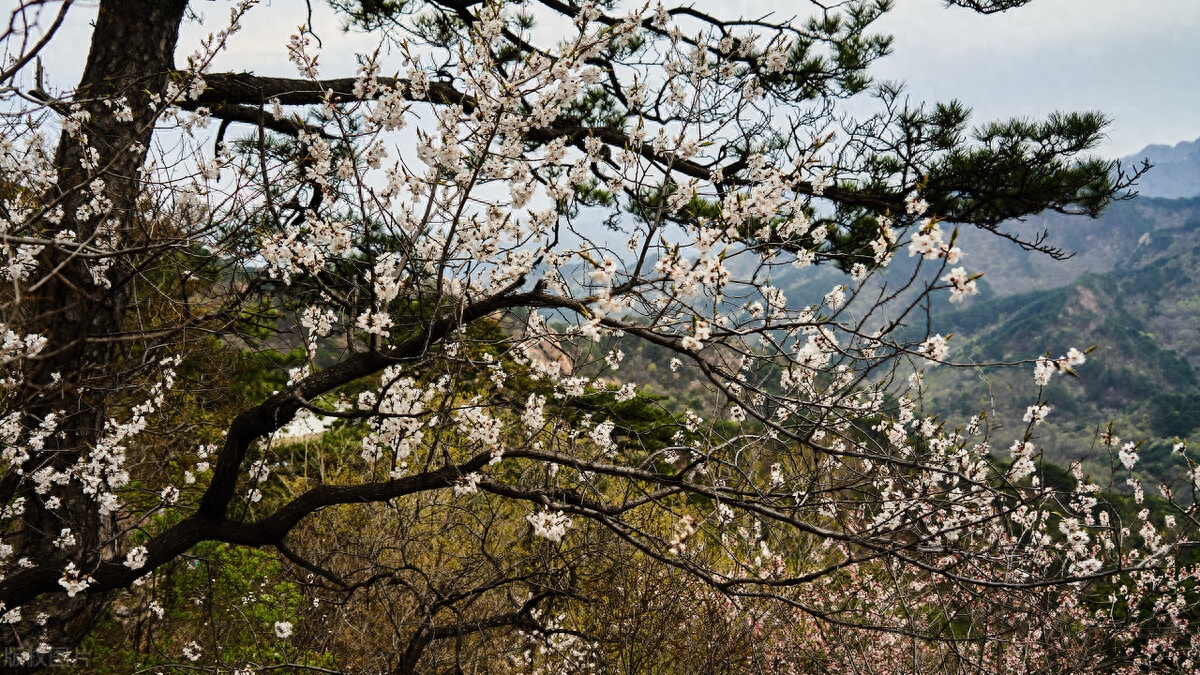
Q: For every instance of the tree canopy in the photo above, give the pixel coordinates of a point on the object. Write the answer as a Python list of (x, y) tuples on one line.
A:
[(450, 262)]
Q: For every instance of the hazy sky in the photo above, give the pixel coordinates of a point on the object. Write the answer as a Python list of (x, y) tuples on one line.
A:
[(1137, 61)]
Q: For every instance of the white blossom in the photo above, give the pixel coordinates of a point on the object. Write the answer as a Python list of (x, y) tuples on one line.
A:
[(136, 558), (1128, 455), (469, 484), (552, 526)]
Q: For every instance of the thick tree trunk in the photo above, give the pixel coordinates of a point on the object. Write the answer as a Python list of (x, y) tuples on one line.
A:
[(131, 56)]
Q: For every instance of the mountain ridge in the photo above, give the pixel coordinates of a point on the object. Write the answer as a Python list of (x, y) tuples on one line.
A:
[(1136, 299), (1176, 172)]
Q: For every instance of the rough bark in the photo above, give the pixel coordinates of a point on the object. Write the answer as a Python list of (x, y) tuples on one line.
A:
[(131, 55)]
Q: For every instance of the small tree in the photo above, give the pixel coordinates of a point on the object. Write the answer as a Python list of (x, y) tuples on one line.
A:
[(444, 250)]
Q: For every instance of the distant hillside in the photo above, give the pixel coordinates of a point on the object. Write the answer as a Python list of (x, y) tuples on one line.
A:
[(1176, 172), (1142, 258), (1131, 289), (1142, 313), (1126, 233)]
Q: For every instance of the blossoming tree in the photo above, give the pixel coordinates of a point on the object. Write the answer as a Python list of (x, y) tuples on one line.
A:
[(459, 252)]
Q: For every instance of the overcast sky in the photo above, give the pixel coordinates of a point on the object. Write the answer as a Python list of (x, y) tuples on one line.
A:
[(1136, 60)]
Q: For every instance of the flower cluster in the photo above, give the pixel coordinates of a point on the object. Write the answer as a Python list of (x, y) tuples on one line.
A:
[(550, 525)]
